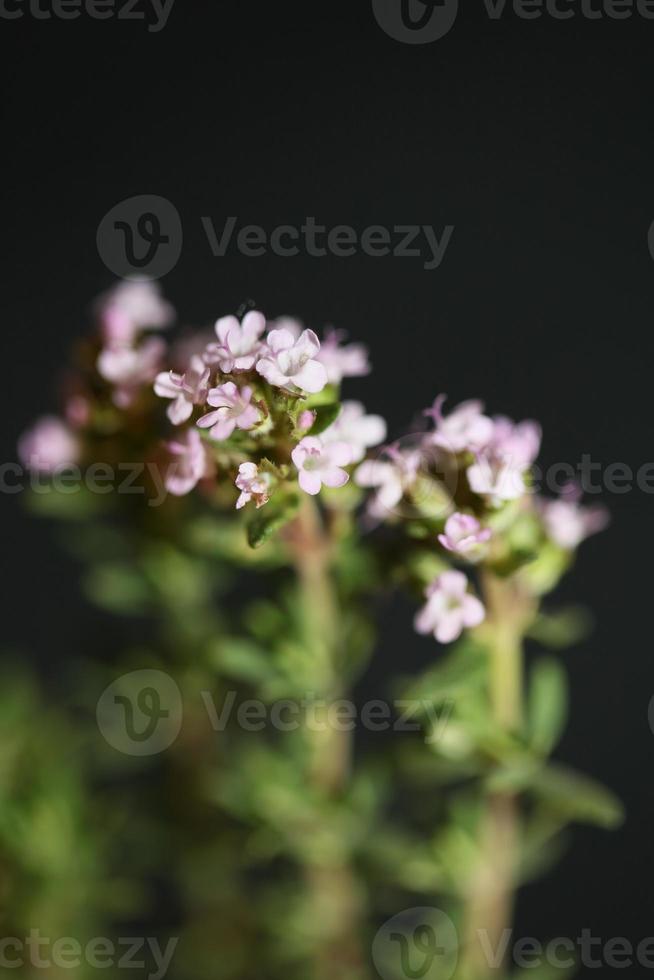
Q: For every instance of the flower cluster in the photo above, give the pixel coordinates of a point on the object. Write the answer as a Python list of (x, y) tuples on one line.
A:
[(465, 485), (251, 412)]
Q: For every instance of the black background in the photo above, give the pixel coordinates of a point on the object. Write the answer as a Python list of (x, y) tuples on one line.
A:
[(533, 138)]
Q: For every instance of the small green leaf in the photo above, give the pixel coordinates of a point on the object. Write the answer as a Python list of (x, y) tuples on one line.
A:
[(463, 670), (325, 415), (548, 705), (561, 629), (577, 797), (267, 522)]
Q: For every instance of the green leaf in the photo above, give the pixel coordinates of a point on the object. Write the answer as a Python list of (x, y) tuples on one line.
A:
[(325, 415), (118, 588), (464, 669), (267, 522), (243, 660), (577, 797), (547, 705), (561, 629)]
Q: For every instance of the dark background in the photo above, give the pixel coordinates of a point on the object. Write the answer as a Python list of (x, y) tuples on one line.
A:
[(533, 138)]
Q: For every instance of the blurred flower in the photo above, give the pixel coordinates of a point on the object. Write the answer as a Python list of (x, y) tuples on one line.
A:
[(349, 361), (129, 368), (496, 478), (239, 343), (189, 464), (465, 429), (359, 430), (129, 308), (306, 420), (516, 442), (253, 485), (290, 323), (290, 362), (48, 445), (450, 608), (391, 479), (187, 390), (77, 411), (464, 536), (568, 524), (233, 410), (319, 464)]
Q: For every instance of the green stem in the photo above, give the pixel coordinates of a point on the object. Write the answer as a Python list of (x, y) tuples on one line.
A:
[(333, 891), (490, 898)]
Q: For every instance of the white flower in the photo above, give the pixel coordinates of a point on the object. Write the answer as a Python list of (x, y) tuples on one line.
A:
[(466, 428), (343, 361), (568, 524), (497, 479), (319, 464), (233, 410), (238, 344), (186, 389), (449, 609), (359, 430), (129, 308), (292, 363), (253, 485)]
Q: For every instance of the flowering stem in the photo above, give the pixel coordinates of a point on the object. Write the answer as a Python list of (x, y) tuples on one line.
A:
[(490, 898), (333, 890)]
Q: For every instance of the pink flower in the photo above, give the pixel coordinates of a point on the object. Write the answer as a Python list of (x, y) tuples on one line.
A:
[(190, 463), (292, 363), (306, 420), (130, 368), (349, 361), (359, 430), (450, 608), (568, 524), (129, 308), (465, 429), (48, 445), (77, 411), (496, 478), (319, 464), (516, 442), (233, 410), (290, 323), (253, 485), (464, 536), (391, 479), (239, 344), (187, 390)]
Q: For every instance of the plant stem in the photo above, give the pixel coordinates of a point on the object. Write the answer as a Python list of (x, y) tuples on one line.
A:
[(490, 898), (334, 893)]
